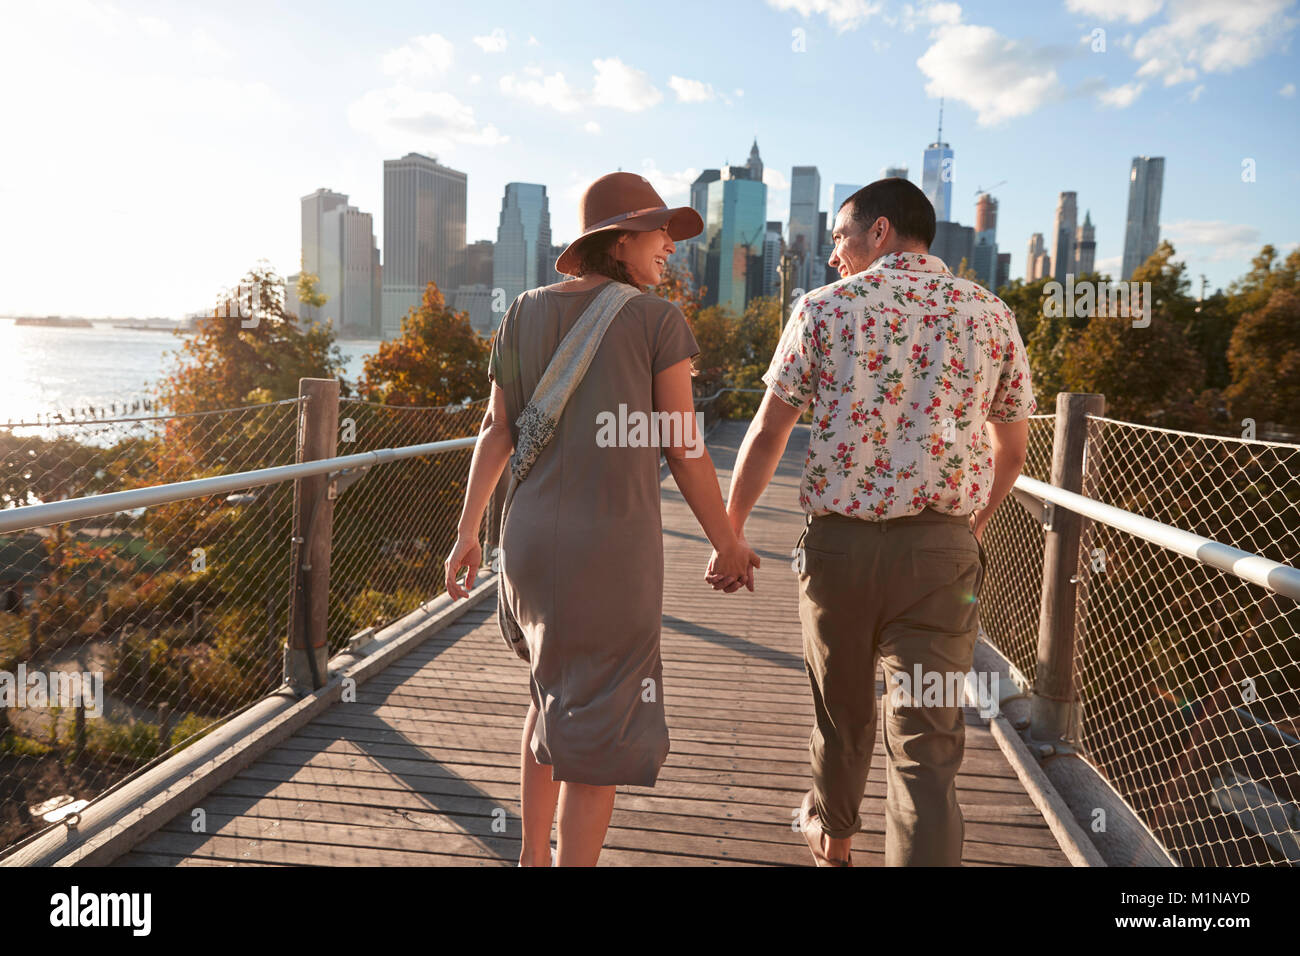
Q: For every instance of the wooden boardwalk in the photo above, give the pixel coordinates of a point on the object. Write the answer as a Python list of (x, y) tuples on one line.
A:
[(423, 768)]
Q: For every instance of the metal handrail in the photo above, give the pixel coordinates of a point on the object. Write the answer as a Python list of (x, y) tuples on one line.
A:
[(27, 517), (1273, 575)]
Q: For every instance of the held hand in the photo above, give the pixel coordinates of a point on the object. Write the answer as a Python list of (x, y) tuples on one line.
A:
[(466, 553), (733, 567)]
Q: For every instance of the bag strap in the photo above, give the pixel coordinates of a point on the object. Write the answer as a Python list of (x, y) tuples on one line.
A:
[(568, 366)]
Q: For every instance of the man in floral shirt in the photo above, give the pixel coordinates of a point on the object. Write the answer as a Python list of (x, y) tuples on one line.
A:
[(920, 394)]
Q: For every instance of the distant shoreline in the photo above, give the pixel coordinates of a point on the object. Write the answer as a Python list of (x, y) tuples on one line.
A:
[(55, 322)]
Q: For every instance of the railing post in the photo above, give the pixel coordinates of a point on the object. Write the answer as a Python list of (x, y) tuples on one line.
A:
[(1052, 707), (306, 651)]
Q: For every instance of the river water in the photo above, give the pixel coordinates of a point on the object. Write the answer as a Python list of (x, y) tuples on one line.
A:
[(44, 370)]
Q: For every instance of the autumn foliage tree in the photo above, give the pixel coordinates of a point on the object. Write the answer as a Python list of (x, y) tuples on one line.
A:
[(237, 351), (1265, 359), (438, 359)]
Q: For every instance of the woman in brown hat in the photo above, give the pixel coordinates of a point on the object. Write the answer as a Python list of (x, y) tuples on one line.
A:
[(581, 541)]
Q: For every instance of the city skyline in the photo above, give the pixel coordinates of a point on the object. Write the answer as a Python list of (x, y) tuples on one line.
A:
[(506, 96)]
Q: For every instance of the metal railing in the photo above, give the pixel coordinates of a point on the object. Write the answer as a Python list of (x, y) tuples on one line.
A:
[(1142, 585), (1166, 656), (174, 562)]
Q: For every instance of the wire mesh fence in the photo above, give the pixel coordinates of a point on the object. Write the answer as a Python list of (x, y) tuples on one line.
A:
[(394, 528), (1013, 542), (126, 637), (1188, 676)]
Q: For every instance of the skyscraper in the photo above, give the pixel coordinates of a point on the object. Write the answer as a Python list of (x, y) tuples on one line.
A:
[(424, 233), (478, 262), (937, 174), (984, 255), (841, 192), (1004, 270), (773, 248), (755, 163), (953, 242), (1063, 235), (735, 238), (557, 250), (321, 254), (1146, 180), (700, 191), (805, 242), (821, 267), (692, 251), (338, 246), (894, 172), (356, 318), (1085, 246), (1038, 264), (519, 261)]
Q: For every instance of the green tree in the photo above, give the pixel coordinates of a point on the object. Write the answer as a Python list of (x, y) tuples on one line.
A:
[(1149, 375), (236, 351), (438, 359), (308, 289), (1265, 359)]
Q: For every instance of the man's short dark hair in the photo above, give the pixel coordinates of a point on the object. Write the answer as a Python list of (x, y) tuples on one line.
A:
[(908, 209)]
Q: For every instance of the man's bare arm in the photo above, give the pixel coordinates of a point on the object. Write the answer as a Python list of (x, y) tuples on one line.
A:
[(759, 455), (1008, 442)]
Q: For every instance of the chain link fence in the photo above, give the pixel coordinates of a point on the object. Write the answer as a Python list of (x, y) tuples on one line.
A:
[(1189, 676), (396, 525), (1013, 587), (123, 638)]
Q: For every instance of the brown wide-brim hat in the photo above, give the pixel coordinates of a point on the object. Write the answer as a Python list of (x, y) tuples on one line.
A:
[(626, 201)]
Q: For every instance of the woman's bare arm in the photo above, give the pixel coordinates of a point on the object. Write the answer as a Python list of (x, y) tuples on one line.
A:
[(491, 453), (693, 470)]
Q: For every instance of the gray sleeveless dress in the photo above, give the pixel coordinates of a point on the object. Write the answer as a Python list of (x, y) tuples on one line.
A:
[(582, 547)]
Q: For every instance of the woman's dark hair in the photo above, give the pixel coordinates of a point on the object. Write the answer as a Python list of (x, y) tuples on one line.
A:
[(597, 255), (908, 209)]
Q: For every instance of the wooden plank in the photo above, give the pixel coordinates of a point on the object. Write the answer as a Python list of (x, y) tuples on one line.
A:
[(411, 773)]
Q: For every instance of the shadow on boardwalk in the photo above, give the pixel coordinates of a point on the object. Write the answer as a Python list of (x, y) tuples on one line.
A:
[(423, 768)]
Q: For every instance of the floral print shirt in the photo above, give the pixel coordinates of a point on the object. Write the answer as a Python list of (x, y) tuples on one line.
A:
[(902, 363)]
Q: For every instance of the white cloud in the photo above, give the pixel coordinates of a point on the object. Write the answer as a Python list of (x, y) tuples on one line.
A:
[(997, 77), (1121, 96), (672, 186), (1213, 239), (494, 42), (207, 47), (1202, 35), (1134, 11), (691, 91), (553, 91), (942, 13), (428, 55), (436, 120), (1196, 93), (615, 85), (622, 86), (1287, 91), (155, 28), (533, 41), (592, 127), (926, 13), (738, 92), (774, 178), (1109, 266), (841, 14)]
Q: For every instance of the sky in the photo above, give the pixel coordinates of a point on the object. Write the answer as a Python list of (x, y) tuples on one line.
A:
[(151, 153)]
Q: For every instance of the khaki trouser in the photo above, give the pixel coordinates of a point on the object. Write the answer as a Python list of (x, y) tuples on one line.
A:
[(903, 591)]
